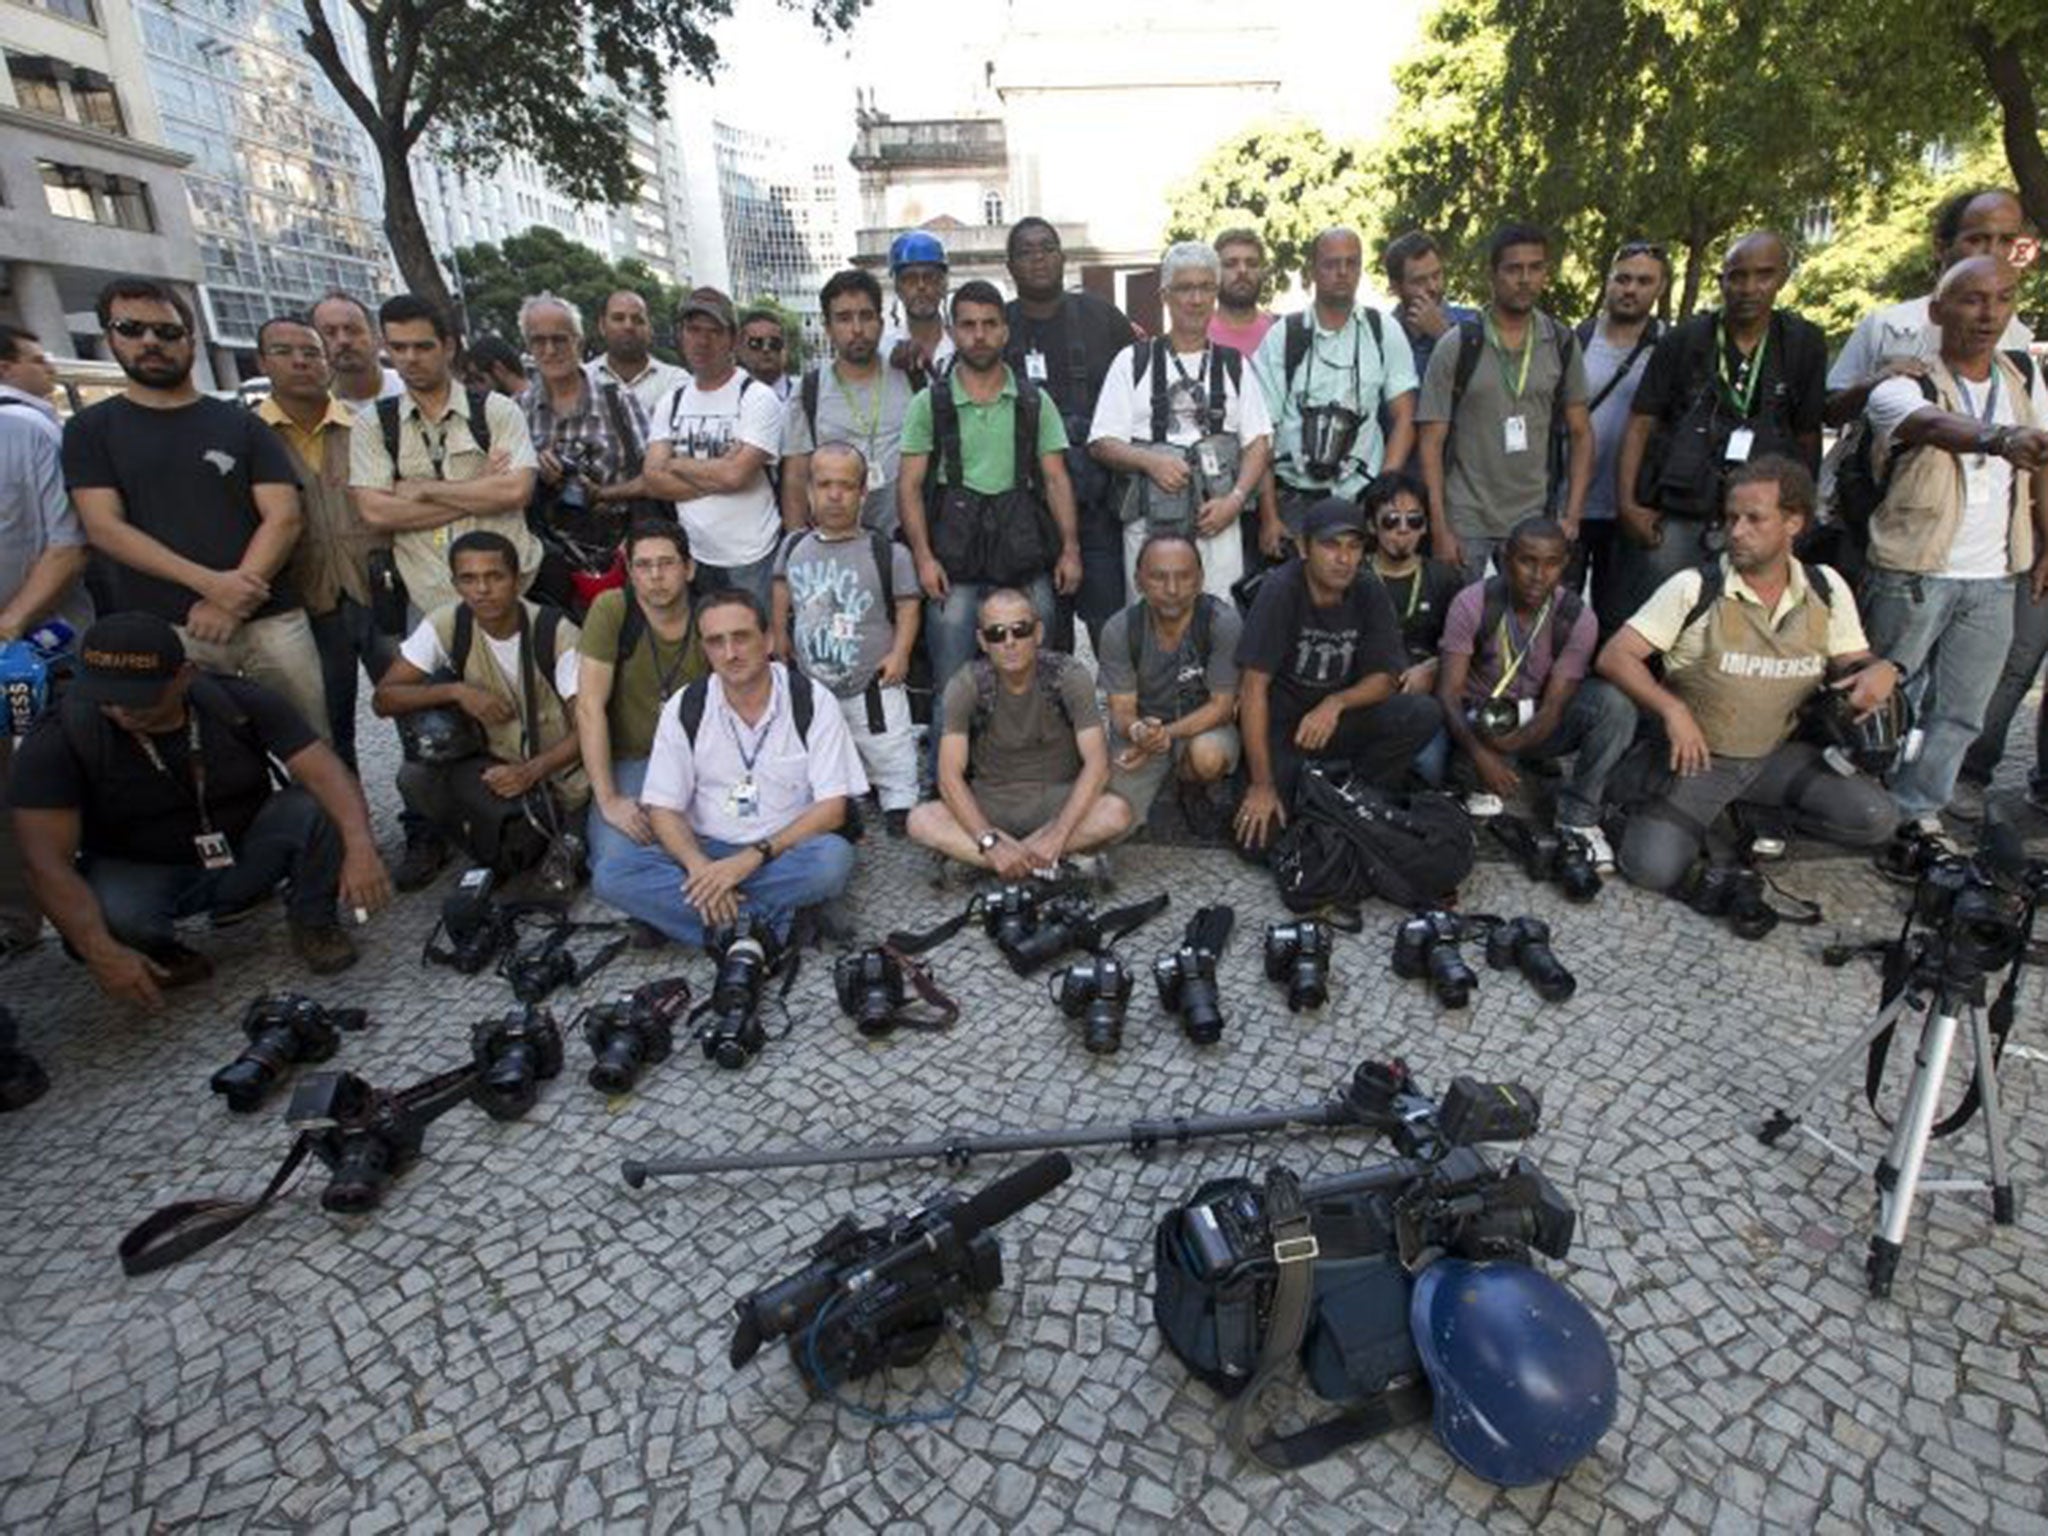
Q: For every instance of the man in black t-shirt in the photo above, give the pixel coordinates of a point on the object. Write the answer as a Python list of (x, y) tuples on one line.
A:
[(1318, 667), (1065, 342), (146, 796), (1397, 512), (193, 503)]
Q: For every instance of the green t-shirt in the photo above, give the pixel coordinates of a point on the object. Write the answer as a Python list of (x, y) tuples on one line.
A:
[(988, 435), (655, 669)]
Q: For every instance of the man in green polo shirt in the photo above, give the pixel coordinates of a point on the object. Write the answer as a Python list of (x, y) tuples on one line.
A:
[(989, 526)]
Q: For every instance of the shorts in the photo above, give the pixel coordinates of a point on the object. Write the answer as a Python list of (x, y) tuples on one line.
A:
[(1020, 809), (1141, 785)]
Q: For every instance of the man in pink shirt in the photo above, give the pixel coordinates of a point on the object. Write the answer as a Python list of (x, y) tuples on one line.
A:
[(1238, 321)]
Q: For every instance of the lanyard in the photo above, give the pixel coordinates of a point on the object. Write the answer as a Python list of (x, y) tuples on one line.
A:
[(1751, 373), (665, 677), (1512, 383), (1512, 657), (194, 760), (1970, 406), (748, 759), (870, 428)]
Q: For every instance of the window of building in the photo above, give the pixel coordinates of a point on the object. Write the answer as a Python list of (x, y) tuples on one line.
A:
[(96, 197), (992, 209), (58, 88), (71, 10)]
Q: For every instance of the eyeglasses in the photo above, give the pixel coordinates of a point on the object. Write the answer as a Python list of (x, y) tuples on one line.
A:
[(996, 634), (1415, 522), (764, 343), (1193, 290), (162, 330), (658, 564), (547, 342)]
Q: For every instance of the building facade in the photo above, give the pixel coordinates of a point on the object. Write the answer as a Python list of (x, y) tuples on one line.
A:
[(782, 216), (89, 188)]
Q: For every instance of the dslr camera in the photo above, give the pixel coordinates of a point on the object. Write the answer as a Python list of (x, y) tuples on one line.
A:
[(1298, 954), (1057, 926), (1187, 989), (626, 1036), (871, 988), (1557, 855), (1727, 890), (1096, 991), (1523, 944), (1983, 919), (1010, 914), (514, 1054), (283, 1030), (747, 954), (360, 1133), (1426, 945)]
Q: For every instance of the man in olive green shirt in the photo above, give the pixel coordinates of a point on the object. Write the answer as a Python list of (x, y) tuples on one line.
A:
[(639, 647)]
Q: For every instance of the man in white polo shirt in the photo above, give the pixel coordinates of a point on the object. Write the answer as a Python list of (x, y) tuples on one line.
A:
[(747, 787)]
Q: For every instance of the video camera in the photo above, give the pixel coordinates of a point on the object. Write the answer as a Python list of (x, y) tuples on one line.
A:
[(363, 1134), (283, 1030), (878, 1296), (1982, 912), (747, 954)]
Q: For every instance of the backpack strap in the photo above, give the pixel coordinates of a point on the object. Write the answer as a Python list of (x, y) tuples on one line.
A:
[(1294, 348), (631, 627), (1651, 333), (879, 546), (1566, 344), (803, 703), (547, 640), (1713, 581), (946, 428), (387, 425), (1159, 346), (807, 397), (462, 638), (1140, 616), (1471, 342), (479, 419), (690, 708), (1225, 363), (632, 452), (1030, 401)]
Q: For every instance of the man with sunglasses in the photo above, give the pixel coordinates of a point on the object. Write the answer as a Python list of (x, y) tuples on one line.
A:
[(1023, 763), (764, 350), (194, 503), (1396, 508)]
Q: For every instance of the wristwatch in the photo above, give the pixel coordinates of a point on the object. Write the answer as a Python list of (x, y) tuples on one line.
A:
[(1993, 440), (766, 849), (988, 840)]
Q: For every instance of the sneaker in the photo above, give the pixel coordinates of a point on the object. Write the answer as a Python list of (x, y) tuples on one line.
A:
[(323, 947), (184, 967), (1967, 803), (425, 857), (896, 822), (1481, 806), (1598, 849)]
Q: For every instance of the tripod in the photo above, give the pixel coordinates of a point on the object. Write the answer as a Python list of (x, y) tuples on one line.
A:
[(1940, 977)]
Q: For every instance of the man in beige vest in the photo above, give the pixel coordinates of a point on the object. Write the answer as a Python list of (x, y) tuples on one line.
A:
[(500, 771), (1736, 673)]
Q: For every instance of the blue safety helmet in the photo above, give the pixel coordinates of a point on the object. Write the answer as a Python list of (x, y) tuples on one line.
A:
[(915, 248), (1523, 1379)]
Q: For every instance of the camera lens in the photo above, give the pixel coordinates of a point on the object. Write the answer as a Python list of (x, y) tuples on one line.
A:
[(618, 1062), (1102, 1032), (511, 1083), (1576, 875), (245, 1081), (1306, 987), (1450, 975), (1202, 1019), (360, 1174)]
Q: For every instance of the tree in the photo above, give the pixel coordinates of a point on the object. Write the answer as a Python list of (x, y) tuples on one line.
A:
[(1287, 180), (496, 279), (477, 80)]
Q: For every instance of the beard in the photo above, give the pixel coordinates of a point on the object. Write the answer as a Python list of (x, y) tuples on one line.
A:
[(158, 371)]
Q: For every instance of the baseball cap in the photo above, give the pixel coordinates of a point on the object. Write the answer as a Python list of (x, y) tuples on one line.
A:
[(712, 302), (127, 659), (1331, 516)]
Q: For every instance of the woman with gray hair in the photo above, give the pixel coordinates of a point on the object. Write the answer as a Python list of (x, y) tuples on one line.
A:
[(1184, 425)]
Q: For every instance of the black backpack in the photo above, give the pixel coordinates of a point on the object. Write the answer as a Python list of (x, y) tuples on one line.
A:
[(1226, 364), (479, 423), (1350, 841)]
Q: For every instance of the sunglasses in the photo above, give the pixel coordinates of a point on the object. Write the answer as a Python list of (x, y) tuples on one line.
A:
[(1416, 521), (764, 343), (162, 330), (1648, 248), (996, 634)]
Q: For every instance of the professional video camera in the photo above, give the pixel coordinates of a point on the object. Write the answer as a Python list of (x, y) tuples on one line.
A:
[(1730, 891), (1298, 953), (1524, 943), (1186, 979), (284, 1030), (514, 1054), (874, 1297), (363, 1134), (747, 954), (1427, 945), (1095, 990), (1559, 855), (473, 922), (631, 1033)]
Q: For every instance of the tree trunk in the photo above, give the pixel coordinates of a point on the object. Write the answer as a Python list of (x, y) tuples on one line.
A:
[(407, 231), (1695, 273), (2019, 119)]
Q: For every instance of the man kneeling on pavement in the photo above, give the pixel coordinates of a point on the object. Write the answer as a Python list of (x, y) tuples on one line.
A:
[(146, 796), (1744, 643), (1022, 762), (510, 791)]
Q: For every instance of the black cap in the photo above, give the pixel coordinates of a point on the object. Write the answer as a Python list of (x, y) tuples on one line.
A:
[(1331, 516), (127, 659)]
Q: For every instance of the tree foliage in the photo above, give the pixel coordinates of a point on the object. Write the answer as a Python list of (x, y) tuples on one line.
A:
[(1287, 180), (477, 80), (496, 279)]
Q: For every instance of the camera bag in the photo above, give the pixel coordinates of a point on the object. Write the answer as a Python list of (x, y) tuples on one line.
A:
[(1349, 841), (1329, 1294)]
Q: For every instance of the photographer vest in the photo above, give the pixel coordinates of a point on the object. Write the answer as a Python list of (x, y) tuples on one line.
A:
[(331, 559), (541, 717), (1914, 526), (1746, 689), (1007, 537)]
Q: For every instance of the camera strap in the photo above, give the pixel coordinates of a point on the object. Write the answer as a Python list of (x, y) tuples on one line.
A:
[(1120, 922), (183, 1228), (908, 942), (945, 1010)]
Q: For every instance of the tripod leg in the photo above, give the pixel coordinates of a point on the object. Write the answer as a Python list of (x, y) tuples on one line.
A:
[(1899, 1175), (2004, 1207), (1841, 1065)]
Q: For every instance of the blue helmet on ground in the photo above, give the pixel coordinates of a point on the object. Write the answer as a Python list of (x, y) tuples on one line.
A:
[(916, 248), (1523, 1379)]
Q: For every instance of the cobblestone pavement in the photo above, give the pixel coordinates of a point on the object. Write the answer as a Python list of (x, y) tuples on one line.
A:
[(518, 1341)]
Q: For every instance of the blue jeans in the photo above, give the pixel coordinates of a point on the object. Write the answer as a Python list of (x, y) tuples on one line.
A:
[(1951, 638), (949, 626), (646, 883), (2022, 663), (346, 635), (607, 842), (290, 839), (1595, 731)]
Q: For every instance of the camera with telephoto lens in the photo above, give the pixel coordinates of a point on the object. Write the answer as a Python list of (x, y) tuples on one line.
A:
[(1298, 953), (626, 1036), (473, 924), (1096, 991), (283, 1031), (1426, 945), (1561, 856), (1187, 988), (1523, 943), (514, 1055), (1061, 924), (362, 1134), (871, 988), (1726, 890), (747, 954)]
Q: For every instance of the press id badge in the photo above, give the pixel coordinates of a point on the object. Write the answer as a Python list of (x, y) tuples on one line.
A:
[(845, 628), (213, 850), (874, 475), (1740, 441), (744, 799), (1212, 461), (1514, 434), (1034, 366)]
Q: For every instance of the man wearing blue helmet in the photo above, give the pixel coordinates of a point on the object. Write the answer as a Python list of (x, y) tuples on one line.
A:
[(919, 344)]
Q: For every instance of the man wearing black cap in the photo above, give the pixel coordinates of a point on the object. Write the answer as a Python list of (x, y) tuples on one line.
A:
[(146, 797), (1320, 667)]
